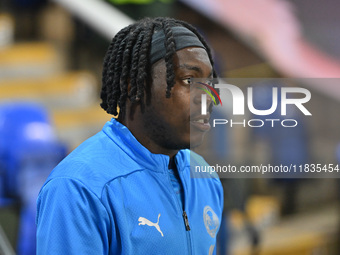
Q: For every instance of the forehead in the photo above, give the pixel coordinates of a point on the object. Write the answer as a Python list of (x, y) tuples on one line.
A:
[(194, 58)]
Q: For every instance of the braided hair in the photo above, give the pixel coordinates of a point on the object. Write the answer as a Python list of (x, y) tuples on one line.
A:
[(127, 62)]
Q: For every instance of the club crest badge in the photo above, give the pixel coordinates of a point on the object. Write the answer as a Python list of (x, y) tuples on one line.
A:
[(211, 221)]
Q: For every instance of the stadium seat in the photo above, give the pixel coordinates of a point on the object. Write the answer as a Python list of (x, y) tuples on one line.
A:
[(30, 59), (71, 89), (75, 125), (29, 150)]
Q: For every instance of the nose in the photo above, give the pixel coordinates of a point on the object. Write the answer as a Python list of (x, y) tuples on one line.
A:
[(204, 101), (202, 96)]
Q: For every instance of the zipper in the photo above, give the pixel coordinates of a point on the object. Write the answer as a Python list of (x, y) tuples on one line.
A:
[(184, 214), (186, 221)]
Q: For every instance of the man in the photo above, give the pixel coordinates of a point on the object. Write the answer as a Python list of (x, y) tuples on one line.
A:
[(127, 190)]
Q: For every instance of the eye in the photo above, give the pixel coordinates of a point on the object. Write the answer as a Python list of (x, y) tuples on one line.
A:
[(187, 81)]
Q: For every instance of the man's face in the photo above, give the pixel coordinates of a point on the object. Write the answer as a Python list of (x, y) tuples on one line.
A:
[(168, 121)]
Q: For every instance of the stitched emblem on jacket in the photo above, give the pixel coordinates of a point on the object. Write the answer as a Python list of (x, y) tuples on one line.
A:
[(144, 221)]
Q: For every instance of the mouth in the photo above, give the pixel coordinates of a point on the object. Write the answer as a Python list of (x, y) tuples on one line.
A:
[(201, 123)]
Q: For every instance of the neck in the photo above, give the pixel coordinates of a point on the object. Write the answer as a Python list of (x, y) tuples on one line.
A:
[(139, 132)]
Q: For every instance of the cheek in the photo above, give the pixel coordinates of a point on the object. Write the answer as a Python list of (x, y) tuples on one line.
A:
[(181, 97), (181, 105), (174, 110)]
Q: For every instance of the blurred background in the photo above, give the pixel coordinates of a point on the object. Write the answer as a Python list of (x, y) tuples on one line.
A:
[(51, 55)]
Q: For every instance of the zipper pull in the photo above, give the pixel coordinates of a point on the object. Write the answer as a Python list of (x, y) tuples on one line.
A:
[(185, 217)]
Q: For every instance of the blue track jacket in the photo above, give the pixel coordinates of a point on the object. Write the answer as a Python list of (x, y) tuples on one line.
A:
[(113, 196)]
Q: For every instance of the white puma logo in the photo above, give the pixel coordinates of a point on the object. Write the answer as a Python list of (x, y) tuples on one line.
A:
[(143, 221)]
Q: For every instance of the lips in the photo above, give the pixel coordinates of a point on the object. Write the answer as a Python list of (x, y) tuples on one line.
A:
[(201, 122)]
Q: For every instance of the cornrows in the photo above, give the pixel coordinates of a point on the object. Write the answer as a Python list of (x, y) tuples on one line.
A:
[(127, 62)]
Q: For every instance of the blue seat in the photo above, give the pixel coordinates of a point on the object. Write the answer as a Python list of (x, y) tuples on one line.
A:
[(29, 150)]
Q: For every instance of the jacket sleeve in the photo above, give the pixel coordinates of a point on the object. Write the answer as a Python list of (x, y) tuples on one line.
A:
[(71, 220)]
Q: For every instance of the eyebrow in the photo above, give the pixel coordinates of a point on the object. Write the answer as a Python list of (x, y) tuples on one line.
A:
[(194, 68)]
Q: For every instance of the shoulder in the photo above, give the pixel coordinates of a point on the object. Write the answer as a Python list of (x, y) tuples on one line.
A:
[(94, 163)]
